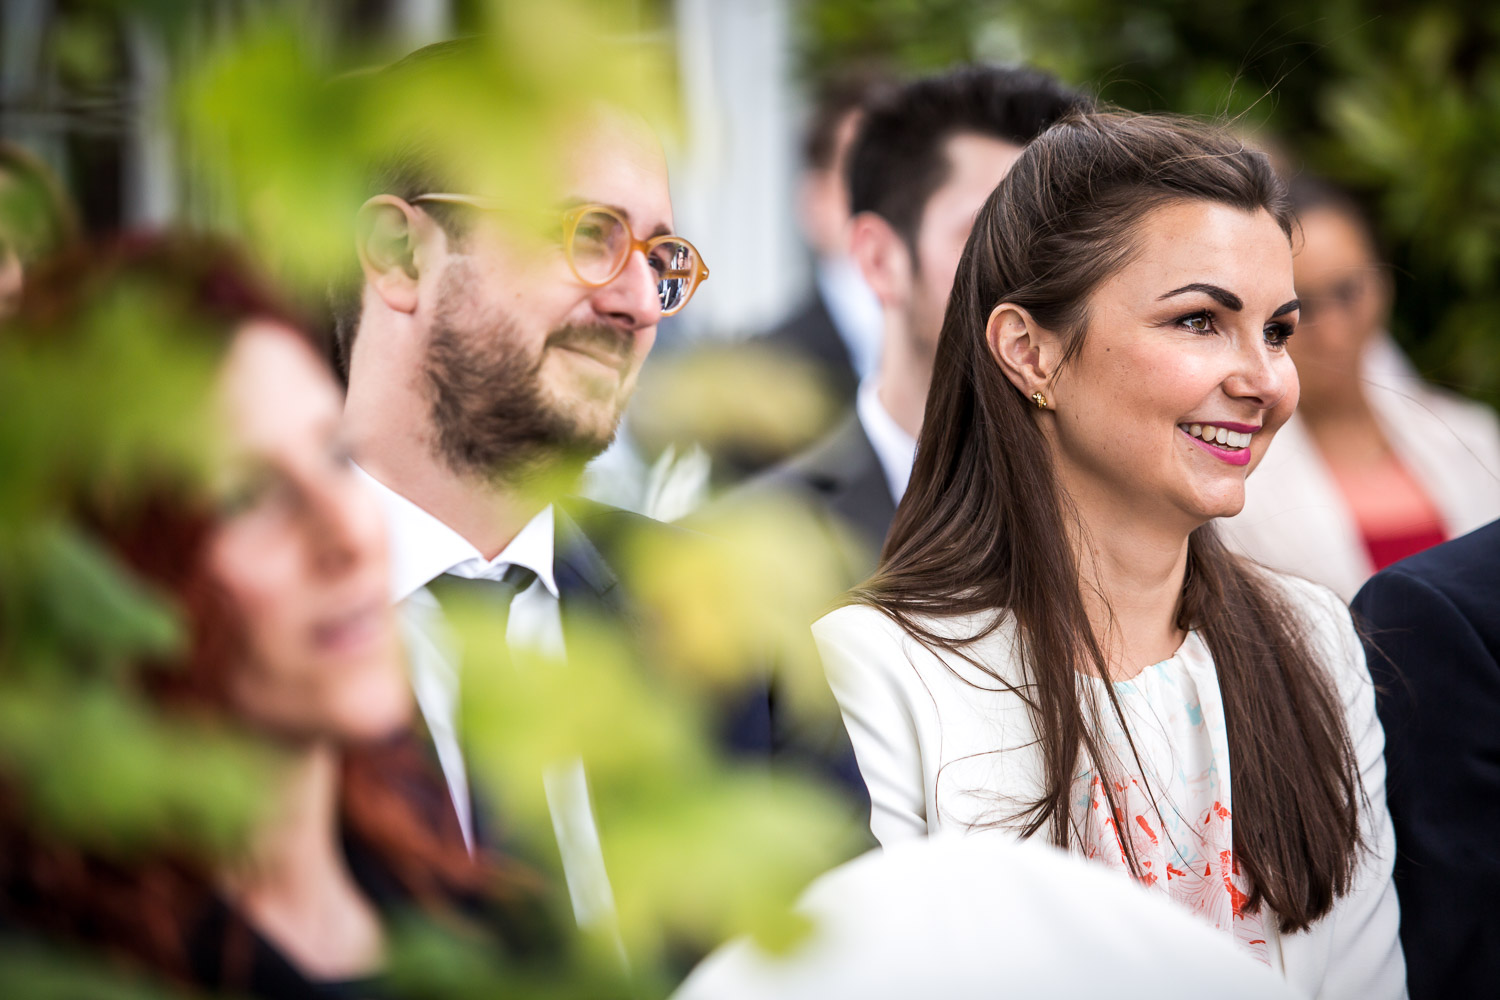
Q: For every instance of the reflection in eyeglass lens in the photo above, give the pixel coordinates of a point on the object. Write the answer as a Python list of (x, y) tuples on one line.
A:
[(673, 263)]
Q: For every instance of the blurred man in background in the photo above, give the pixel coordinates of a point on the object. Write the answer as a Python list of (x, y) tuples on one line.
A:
[(925, 160), (838, 327)]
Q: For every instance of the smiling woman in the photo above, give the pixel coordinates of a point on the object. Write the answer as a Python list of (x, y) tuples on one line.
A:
[(1056, 643)]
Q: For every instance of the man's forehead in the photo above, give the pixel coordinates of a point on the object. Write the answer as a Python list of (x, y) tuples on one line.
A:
[(615, 159)]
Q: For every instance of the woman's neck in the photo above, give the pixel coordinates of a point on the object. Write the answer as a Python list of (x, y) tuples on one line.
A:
[(294, 886), (1131, 572)]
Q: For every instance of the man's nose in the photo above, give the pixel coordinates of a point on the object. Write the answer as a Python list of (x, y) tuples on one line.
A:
[(632, 300)]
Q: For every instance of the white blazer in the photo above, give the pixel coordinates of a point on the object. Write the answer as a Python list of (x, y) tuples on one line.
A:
[(1295, 519), (942, 746)]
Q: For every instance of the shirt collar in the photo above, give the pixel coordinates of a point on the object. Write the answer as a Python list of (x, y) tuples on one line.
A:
[(424, 548), (895, 448)]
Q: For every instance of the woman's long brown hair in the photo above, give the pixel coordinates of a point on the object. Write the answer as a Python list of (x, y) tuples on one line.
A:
[(984, 523)]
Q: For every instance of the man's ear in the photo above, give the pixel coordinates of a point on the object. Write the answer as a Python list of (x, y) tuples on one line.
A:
[(1026, 352), (883, 259), (388, 236)]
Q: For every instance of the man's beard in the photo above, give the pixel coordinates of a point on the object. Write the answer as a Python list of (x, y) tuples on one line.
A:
[(488, 410)]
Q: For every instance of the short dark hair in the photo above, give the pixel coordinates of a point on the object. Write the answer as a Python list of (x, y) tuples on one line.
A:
[(898, 159), (837, 97)]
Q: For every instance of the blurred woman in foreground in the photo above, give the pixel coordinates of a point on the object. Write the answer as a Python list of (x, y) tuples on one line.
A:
[(1056, 643), (280, 571), (1377, 464)]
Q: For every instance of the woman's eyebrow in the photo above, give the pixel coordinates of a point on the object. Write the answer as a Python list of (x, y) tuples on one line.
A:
[(1222, 296), (1291, 306)]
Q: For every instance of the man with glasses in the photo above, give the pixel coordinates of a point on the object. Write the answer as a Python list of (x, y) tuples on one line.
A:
[(490, 353)]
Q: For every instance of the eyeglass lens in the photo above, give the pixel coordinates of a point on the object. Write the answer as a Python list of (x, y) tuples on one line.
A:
[(601, 243)]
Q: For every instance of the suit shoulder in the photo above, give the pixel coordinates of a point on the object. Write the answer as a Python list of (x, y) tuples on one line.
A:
[(617, 534), (839, 457), (1462, 571)]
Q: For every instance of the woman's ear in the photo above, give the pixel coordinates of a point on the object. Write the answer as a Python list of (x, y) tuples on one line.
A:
[(1027, 353), (387, 242)]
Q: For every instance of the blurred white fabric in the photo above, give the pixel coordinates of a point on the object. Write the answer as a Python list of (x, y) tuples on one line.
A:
[(677, 484), (984, 916)]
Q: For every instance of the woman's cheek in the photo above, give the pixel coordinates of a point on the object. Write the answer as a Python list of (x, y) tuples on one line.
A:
[(260, 577)]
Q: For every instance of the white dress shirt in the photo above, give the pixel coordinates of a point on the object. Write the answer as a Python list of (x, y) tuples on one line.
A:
[(422, 549), (895, 448), (943, 745)]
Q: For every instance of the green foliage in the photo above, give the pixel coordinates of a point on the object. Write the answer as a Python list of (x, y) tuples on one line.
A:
[(290, 128), (101, 770), (1398, 101), (102, 399), (36, 973), (114, 401), (132, 355)]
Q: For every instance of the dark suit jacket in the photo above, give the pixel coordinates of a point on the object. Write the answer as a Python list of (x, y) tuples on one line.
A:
[(590, 536), (755, 723), (1434, 651), (810, 334), (841, 480)]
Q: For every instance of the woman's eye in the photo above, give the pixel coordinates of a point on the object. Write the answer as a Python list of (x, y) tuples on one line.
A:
[(1201, 322), (1277, 334), (254, 494), (243, 497)]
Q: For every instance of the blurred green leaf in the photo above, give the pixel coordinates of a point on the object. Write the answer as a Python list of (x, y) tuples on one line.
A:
[(101, 770), (32, 972), (90, 604)]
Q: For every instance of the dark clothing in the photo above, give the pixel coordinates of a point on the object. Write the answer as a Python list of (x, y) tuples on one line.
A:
[(841, 481), (226, 955), (1434, 651), (809, 334), (590, 589), (749, 723)]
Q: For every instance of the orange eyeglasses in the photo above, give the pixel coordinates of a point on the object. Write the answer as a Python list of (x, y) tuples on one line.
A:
[(597, 243)]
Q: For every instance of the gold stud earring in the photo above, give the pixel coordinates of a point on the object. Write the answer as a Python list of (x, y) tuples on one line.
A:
[(1039, 400)]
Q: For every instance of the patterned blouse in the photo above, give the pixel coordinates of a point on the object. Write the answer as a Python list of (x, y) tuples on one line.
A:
[(1172, 807)]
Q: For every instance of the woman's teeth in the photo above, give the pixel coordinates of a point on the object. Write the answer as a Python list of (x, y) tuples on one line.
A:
[(1217, 435)]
